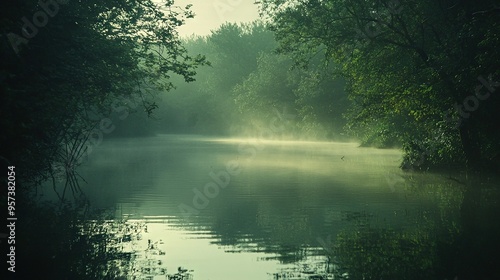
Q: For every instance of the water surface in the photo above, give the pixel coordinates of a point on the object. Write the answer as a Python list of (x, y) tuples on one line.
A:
[(274, 206)]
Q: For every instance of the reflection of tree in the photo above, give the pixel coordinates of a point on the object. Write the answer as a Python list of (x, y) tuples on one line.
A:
[(478, 244), (466, 208), (456, 238), (100, 247), (265, 227), (54, 239), (376, 253), (64, 242), (439, 231)]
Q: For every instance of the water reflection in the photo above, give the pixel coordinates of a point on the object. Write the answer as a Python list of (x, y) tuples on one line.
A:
[(299, 210)]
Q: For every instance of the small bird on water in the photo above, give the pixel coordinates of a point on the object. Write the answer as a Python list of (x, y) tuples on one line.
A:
[(342, 158)]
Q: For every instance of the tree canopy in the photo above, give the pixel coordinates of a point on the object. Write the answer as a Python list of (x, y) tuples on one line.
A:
[(247, 82), (67, 63), (418, 72)]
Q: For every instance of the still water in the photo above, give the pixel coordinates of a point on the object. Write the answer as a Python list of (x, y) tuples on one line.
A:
[(254, 209)]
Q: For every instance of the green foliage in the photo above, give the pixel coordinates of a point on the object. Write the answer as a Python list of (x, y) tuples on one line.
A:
[(233, 51), (311, 93), (59, 85), (266, 88), (247, 83), (407, 64), (207, 106)]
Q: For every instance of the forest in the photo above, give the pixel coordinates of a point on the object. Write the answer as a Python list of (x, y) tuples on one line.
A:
[(419, 76)]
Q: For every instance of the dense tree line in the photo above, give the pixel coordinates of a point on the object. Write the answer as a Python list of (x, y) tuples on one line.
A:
[(421, 76), (422, 73), (69, 69), (69, 65), (245, 85)]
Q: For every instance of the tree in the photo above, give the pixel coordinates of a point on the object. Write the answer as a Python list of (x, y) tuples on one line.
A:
[(70, 65), (314, 96), (408, 65), (208, 105), (234, 52)]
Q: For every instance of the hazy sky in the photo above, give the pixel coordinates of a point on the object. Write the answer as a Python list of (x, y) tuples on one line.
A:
[(210, 14)]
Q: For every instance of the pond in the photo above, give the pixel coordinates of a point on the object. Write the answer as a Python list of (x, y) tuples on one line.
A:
[(227, 208)]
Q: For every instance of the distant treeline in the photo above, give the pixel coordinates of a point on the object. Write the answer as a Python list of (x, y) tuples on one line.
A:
[(248, 84)]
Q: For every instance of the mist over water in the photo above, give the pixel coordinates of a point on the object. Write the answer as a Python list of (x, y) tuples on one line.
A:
[(172, 165), (287, 200)]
